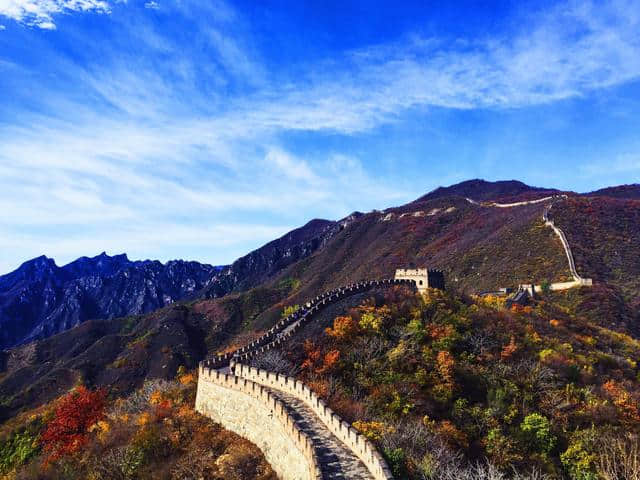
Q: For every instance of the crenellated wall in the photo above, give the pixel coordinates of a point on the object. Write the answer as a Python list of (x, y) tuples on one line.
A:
[(284, 328), (356, 442), (248, 409), (241, 403)]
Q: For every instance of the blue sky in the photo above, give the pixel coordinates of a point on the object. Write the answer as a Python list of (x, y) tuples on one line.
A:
[(201, 130)]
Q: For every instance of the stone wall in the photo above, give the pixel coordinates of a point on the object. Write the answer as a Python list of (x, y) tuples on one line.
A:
[(418, 275), (249, 410), (262, 418), (356, 442)]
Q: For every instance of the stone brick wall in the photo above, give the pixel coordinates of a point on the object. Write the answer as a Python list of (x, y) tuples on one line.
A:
[(240, 403), (356, 442), (249, 410)]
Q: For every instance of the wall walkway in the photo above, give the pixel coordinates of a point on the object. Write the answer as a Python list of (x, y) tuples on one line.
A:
[(253, 412), (253, 402)]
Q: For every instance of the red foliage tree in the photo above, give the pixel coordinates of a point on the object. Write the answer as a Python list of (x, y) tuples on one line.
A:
[(75, 413)]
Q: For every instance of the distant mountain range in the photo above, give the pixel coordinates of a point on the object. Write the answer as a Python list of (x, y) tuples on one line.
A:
[(476, 249), (40, 299)]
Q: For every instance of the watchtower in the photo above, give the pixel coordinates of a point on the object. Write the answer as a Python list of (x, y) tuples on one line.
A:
[(423, 278)]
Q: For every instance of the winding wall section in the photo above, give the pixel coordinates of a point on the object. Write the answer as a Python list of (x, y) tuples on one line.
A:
[(577, 281), (324, 446)]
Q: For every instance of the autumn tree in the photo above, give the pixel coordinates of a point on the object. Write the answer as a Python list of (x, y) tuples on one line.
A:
[(76, 412), (344, 328)]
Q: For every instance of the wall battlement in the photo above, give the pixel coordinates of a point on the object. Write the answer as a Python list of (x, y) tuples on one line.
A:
[(422, 277), (357, 443), (250, 410), (242, 402)]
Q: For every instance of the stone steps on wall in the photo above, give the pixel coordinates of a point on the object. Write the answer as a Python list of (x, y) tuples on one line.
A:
[(333, 449), (337, 461)]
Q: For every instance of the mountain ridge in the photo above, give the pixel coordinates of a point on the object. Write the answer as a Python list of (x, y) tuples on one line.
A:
[(39, 298), (480, 247), (43, 282)]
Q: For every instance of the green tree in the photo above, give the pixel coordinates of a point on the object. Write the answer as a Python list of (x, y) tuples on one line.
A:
[(537, 432)]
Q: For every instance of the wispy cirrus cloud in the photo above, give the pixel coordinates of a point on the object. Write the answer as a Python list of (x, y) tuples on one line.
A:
[(40, 13), (569, 51), (156, 143)]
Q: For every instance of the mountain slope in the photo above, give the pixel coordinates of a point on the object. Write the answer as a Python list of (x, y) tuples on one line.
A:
[(604, 234), (481, 190), (40, 299), (621, 191), (268, 260), (479, 248)]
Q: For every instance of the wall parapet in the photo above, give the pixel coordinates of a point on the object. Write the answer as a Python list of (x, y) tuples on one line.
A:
[(279, 412), (356, 442), (306, 315), (257, 385)]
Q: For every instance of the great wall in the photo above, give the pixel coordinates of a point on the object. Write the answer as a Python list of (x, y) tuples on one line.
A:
[(577, 281), (300, 436)]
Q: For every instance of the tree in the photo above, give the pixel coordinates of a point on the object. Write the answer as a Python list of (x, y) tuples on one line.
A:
[(344, 328), (67, 432), (537, 430)]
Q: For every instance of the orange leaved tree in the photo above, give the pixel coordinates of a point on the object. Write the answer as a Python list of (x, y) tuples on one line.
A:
[(76, 412)]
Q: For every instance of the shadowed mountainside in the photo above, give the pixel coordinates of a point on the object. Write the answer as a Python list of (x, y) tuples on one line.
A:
[(268, 260), (40, 299)]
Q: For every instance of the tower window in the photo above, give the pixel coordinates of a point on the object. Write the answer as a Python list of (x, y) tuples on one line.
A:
[(420, 282)]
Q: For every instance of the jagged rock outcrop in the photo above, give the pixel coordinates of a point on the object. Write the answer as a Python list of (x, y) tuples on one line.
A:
[(40, 299), (268, 260)]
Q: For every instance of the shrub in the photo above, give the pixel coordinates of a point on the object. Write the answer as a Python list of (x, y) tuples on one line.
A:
[(397, 459), (290, 310), (371, 322), (537, 432), (118, 464), (18, 449), (344, 328), (372, 430), (579, 458)]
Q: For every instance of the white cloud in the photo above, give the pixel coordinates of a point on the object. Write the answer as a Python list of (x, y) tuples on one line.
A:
[(567, 52), (167, 159), (2, 27), (152, 5), (39, 13), (627, 163), (289, 166)]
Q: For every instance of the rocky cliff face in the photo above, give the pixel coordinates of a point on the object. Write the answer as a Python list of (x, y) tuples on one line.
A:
[(270, 259), (40, 299)]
